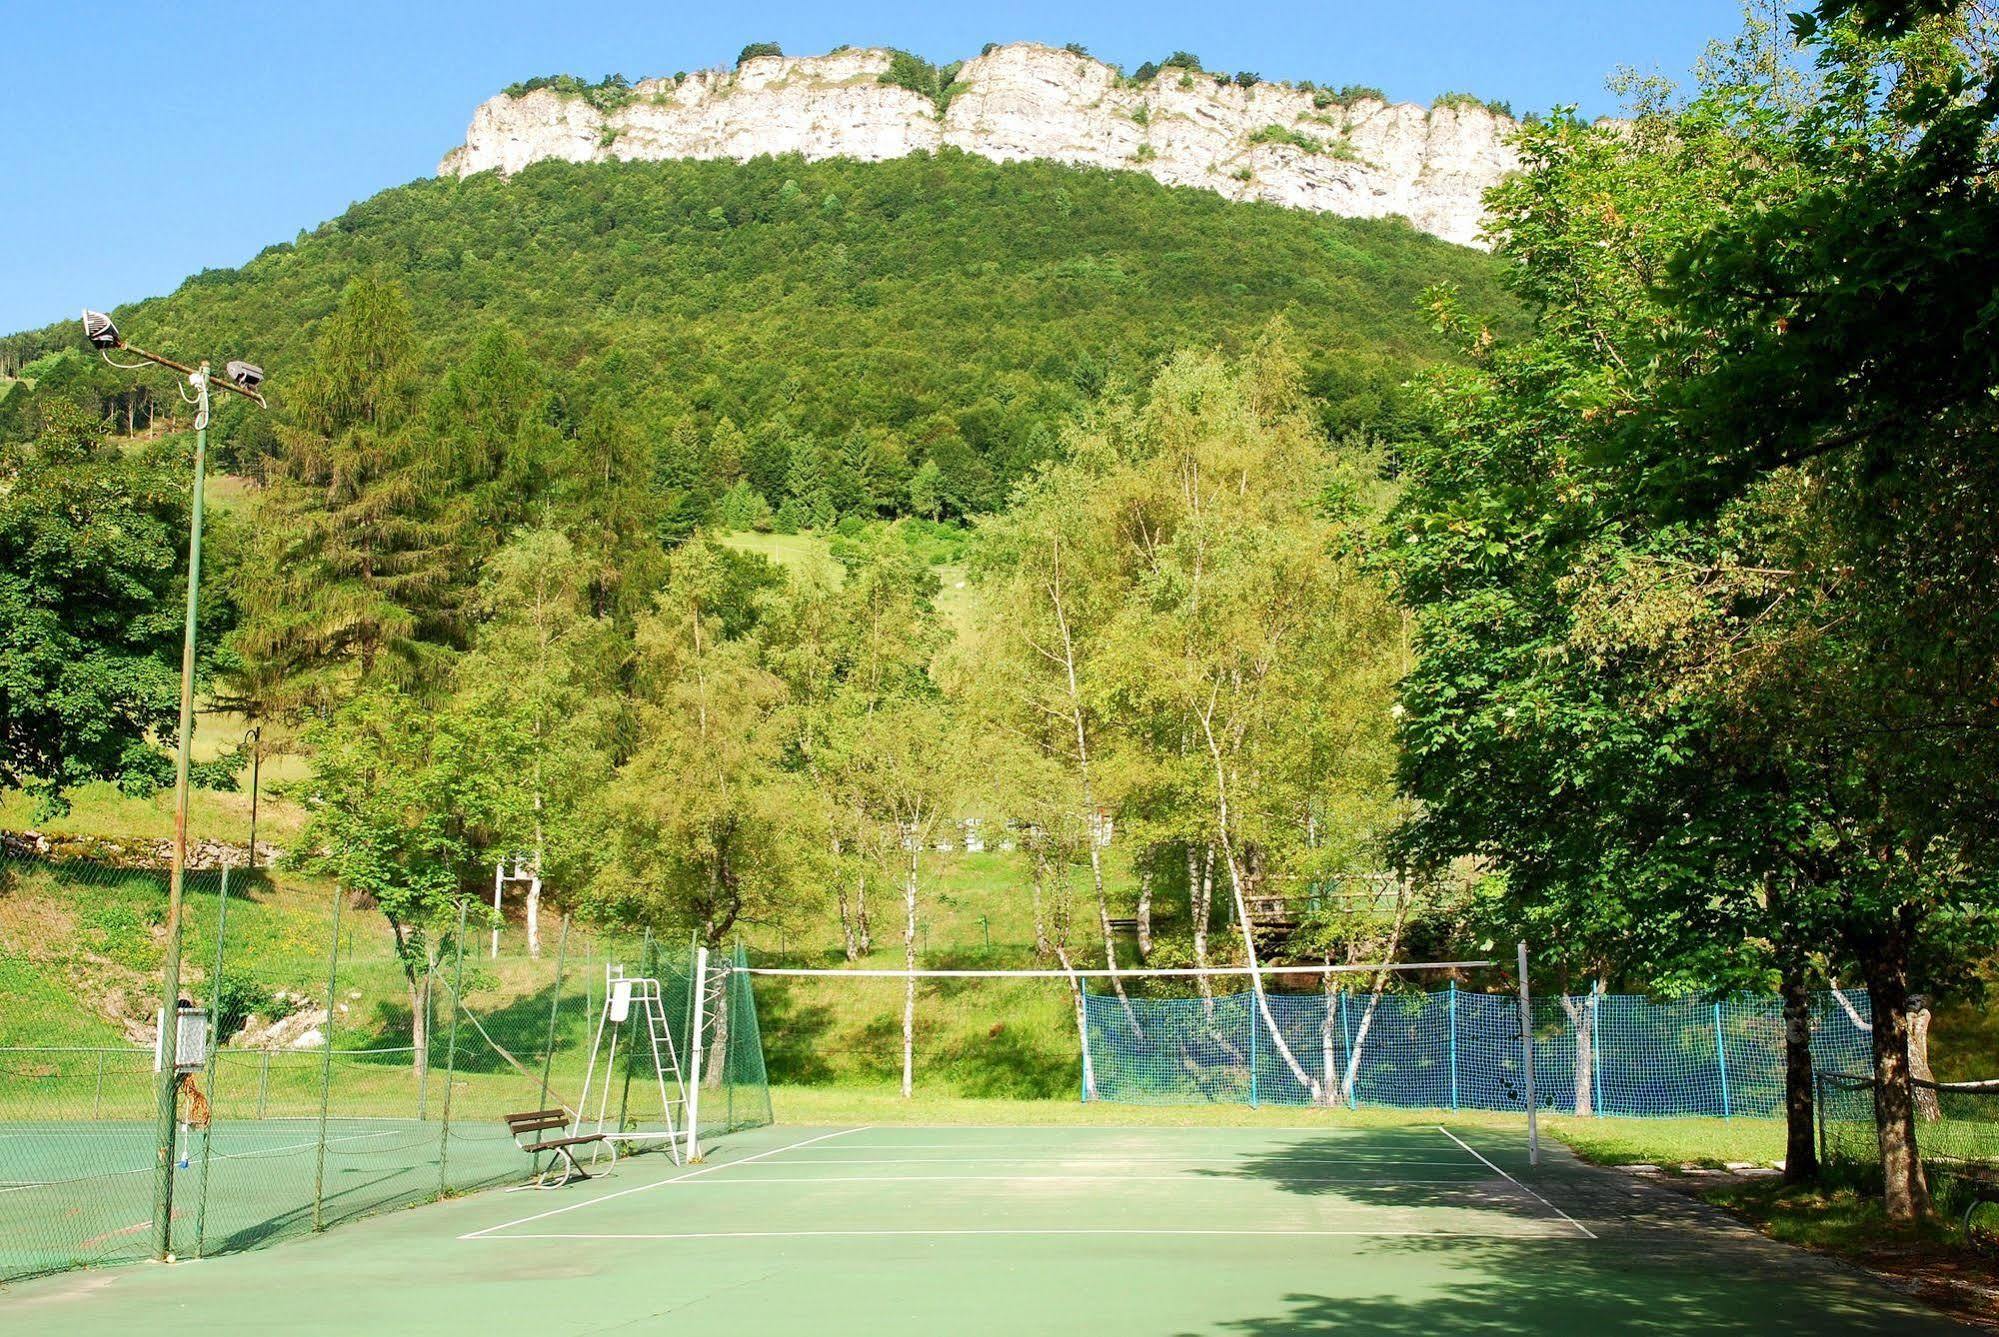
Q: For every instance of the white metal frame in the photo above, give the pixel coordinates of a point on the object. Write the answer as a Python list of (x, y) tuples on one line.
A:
[(622, 995)]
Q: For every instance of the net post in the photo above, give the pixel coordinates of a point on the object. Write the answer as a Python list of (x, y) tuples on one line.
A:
[(326, 1063), (1083, 1033), (214, 1061), (1596, 1049), (451, 1054), (1527, 1060), (694, 1055), (1453, 1007), (1252, 1043), (1721, 1062)]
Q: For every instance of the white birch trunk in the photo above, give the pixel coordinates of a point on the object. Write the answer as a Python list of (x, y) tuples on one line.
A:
[(1380, 985), (1145, 911)]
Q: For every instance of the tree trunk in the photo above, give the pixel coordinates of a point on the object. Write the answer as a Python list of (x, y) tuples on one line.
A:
[(1082, 1026), (909, 981), (716, 1051), (1582, 1019), (1884, 959), (534, 889), (861, 932), (847, 938), (1352, 1076), (1927, 1107), (1201, 901), (1145, 910), (1037, 873), (1801, 1151)]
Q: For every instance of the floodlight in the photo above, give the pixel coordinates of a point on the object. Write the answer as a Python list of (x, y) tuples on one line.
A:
[(97, 328), (248, 375)]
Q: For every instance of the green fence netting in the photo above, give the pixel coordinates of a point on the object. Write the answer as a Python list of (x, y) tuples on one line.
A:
[(1957, 1133), (352, 1086)]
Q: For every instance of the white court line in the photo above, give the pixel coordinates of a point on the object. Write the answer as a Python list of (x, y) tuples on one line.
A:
[(758, 1181), (1057, 1231), (658, 1183), (1112, 1160), (1587, 1232)]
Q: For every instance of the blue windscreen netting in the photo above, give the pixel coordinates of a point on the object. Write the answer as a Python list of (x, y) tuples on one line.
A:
[(1602, 1054)]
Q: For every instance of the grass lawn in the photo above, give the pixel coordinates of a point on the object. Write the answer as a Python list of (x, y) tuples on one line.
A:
[(1689, 1143)]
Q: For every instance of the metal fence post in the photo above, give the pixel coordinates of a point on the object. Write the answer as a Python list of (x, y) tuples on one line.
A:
[(263, 1081), (214, 1062), (554, 1005), (1721, 1061), (326, 1064), (1596, 1050), (97, 1097), (451, 1053), (1454, 1043), (1252, 1048)]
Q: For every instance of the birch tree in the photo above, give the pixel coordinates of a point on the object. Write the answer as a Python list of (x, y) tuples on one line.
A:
[(1249, 608), (907, 767), (539, 695)]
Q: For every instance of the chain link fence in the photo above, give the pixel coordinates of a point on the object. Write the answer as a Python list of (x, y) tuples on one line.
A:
[(355, 1076)]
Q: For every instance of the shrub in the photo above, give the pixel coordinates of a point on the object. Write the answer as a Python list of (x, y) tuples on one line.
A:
[(608, 95), (1145, 73), (1141, 114), (1247, 78), (936, 82), (1076, 49), (989, 48), (1185, 60), (1466, 101), (755, 49), (238, 996), (1348, 95)]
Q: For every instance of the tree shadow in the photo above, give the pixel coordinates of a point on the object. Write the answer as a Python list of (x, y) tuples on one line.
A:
[(1654, 1261)]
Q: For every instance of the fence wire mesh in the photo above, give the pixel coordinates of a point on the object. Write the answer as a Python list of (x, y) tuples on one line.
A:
[(355, 1078), (1957, 1132), (1594, 1054)]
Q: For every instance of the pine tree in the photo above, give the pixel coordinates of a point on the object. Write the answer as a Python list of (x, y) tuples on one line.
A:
[(350, 573)]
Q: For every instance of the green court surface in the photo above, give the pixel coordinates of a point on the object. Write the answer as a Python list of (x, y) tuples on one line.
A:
[(905, 1230)]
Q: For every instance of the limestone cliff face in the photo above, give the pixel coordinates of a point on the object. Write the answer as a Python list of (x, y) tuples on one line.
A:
[(1267, 142)]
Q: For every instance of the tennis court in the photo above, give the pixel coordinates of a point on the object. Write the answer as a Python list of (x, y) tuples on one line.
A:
[(888, 1230)]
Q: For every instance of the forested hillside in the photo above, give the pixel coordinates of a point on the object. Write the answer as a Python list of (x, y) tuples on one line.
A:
[(820, 329)]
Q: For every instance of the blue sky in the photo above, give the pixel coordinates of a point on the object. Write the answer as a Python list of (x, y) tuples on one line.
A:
[(148, 141)]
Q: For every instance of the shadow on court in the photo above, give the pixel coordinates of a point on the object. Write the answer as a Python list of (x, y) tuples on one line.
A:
[(1659, 1262)]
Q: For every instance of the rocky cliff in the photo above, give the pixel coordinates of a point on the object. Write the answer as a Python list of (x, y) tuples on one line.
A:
[(1362, 158)]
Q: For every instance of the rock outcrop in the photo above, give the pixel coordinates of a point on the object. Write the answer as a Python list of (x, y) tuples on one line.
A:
[(1362, 158)]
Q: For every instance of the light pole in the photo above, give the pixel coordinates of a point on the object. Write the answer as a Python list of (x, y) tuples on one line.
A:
[(243, 379)]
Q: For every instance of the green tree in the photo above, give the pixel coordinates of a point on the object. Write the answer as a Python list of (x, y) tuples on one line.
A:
[(93, 575), (539, 703), (926, 495), (704, 827), (351, 571), (391, 779)]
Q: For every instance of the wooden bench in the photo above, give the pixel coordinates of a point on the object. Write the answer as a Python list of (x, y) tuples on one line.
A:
[(1124, 926), (533, 1123)]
